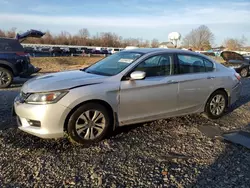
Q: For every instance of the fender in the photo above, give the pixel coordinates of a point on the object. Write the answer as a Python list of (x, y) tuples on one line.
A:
[(9, 65)]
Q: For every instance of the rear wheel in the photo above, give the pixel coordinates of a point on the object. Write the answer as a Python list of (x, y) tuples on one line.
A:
[(89, 123), (216, 105), (6, 77), (244, 72)]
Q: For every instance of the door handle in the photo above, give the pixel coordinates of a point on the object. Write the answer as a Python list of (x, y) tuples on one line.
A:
[(210, 77), (172, 82)]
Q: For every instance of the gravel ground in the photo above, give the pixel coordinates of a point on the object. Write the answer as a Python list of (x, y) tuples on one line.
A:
[(164, 153)]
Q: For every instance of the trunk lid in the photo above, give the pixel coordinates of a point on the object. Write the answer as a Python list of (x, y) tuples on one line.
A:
[(229, 56), (30, 33)]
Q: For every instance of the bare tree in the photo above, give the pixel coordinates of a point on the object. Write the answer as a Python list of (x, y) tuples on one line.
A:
[(234, 43), (199, 38), (11, 33), (83, 35), (145, 44), (2, 33), (155, 43), (48, 38)]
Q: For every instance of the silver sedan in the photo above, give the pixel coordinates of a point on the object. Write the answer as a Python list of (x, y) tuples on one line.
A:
[(131, 86)]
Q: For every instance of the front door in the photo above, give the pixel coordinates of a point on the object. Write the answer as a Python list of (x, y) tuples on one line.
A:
[(150, 98)]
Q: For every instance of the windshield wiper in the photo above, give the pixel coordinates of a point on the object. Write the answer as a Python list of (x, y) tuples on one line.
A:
[(98, 73)]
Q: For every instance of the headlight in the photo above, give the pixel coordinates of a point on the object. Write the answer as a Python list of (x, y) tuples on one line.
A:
[(45, 98)]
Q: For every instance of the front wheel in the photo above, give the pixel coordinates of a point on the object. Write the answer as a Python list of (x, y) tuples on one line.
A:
[(89, 123), (6, 78), (216, 105)]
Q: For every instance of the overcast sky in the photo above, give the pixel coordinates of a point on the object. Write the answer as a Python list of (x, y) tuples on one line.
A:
[(145, 19)]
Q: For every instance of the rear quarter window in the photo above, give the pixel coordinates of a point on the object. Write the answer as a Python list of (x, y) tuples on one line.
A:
[(209, 65), (10, 45)]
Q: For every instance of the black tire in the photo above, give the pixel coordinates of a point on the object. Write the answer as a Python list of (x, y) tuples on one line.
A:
[(6, 77), (208, 111), (244, 72), (71, 128)]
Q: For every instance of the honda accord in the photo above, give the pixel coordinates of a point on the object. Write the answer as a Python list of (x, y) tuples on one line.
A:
[(128, 87)]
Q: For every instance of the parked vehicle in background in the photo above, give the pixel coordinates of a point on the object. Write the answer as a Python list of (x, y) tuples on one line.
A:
[(56, 51), (29, 50), (131, 47), (240, 63), (14, 61), (86, 50), (125, 88), (115, 50)]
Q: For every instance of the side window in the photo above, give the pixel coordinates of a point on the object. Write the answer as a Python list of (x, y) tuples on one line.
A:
[(190, 64), (160, 65), (209, 65), (5, 46)]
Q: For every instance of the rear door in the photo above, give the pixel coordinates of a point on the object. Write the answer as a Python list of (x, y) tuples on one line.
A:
[(196, 82), (150, 98)]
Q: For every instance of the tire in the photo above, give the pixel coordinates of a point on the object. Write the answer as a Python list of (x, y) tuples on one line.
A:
[(6, 78), (80, 117), (244, 72), (211, 105)]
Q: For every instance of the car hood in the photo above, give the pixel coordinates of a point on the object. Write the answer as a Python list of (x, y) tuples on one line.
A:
[(30, 33), (61, 81)]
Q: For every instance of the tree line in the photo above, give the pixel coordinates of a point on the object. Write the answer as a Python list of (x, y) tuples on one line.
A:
[(200, 38), (83, 38)]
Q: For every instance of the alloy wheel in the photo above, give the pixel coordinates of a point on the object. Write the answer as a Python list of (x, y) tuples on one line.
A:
[(244, 72), (90, 124), (4, 78), (217, 105)]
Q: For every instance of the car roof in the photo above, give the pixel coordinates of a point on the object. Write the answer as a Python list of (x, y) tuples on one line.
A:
[(152, 50), (167, 50)]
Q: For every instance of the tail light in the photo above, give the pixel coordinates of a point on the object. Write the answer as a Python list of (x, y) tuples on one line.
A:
[(21, 53), (237, 76)]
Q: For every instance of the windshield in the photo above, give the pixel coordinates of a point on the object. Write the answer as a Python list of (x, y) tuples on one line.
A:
[(113, 64)]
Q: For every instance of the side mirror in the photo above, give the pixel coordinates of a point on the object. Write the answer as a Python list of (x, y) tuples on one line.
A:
[(137, 75)]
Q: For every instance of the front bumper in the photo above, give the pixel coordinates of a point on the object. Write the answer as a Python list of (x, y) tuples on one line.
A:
[(51, 118)]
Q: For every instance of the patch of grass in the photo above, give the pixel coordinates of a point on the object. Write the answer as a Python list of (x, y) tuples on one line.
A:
[(55, 64)]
